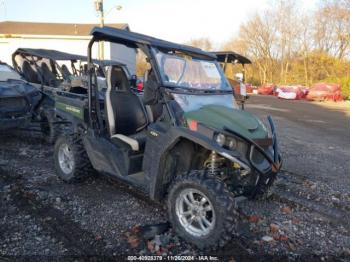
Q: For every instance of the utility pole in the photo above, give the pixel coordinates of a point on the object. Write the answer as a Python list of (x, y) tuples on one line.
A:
[(3, 4), (99, 9)]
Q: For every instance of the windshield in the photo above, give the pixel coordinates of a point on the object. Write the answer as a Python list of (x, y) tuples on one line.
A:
[(7, 73), (179, 70)]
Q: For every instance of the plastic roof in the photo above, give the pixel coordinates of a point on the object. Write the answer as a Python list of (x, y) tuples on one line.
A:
[(132, 39), (50, 54), (231, 57), (61, 56)]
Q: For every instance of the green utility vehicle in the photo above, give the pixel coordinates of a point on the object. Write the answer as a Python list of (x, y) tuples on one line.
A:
[(183, 141), (50, 71)]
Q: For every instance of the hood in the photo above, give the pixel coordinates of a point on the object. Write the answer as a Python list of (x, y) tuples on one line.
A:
[(12, 88), (240, 121)]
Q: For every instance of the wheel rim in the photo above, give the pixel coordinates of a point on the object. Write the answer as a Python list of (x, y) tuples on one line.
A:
[(66, 159), (195, 212)]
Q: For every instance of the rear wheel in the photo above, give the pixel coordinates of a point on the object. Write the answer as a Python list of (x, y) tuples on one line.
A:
[(202, 210), (71, 160)]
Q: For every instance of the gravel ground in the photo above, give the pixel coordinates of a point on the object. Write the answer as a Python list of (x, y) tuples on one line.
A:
[(306, 218)]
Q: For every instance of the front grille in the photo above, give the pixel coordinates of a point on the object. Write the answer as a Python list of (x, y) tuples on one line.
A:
[(10, 104), (258, 158)]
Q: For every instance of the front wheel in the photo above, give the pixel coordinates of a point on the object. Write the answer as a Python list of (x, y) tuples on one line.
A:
[(49, 128), (71, 160), (202, 210)]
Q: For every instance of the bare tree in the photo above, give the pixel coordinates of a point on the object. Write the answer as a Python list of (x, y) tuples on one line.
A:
[(259, 36), (286, 19), (202, 43), (305, 44), (289, 46), (332, 28)]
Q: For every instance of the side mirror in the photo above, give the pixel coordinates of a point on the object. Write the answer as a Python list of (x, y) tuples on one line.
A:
[(133, 81)]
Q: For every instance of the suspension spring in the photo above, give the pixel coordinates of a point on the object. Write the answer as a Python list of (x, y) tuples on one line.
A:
[(212, 163)]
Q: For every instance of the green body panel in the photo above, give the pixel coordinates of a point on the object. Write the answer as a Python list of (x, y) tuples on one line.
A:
[(240, 121), (75, 111)]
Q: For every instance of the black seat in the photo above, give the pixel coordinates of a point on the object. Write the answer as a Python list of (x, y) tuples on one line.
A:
[(29, 74), (129, 113), (126, 116), (65, 72), (48, 77)]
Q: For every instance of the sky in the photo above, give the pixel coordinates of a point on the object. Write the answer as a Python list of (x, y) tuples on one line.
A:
[(173, 20)]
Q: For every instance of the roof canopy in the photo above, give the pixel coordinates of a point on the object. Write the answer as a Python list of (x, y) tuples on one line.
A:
[(50, 54), (229, 57), (132, 39), (61, 56)]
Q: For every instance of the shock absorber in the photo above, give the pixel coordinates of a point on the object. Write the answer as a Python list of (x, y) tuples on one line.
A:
[(212, 164)]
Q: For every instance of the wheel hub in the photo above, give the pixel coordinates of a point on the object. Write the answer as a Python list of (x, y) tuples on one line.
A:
[(195, 212), (66, 159)]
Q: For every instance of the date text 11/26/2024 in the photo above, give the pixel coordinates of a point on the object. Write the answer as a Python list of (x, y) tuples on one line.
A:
[(172, 258)]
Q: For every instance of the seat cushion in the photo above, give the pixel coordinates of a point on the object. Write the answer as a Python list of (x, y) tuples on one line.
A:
[(136, 141), (133, 143)]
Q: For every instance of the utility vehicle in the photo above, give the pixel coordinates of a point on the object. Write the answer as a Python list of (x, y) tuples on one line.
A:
[(18, 99), (184, 141), (50, 71)]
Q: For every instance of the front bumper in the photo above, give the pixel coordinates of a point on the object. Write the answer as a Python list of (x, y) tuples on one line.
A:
[(274, 160), (264, 170)]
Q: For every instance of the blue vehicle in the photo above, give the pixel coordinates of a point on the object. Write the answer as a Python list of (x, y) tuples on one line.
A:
[(18, 99)]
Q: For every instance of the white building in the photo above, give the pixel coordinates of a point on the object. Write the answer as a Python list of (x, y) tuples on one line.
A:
[(70, 38)]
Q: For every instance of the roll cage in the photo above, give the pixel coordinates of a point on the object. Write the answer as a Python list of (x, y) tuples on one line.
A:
[(230, 57), (147, 44), (33, 56)]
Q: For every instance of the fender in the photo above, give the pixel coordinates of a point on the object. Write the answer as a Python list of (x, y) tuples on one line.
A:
[(69, 118), (160, 143)]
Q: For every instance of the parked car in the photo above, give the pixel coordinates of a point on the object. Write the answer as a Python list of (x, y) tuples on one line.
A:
[(139, 84), (249, 88), (18, 99), (267, 89), (323, 91), (295, 92), (185, 144)]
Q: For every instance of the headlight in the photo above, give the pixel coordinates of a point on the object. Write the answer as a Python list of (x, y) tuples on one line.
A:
[(227, 142), (231, 143), (220, 139)]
